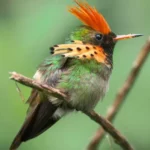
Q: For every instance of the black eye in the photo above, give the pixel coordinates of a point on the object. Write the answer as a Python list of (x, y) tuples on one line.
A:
[(98, 36)]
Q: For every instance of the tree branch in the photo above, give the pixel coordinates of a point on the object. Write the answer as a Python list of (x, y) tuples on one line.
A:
[(108, 127), (122, 94)]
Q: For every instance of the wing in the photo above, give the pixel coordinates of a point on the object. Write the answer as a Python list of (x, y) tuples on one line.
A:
[(41, 114)]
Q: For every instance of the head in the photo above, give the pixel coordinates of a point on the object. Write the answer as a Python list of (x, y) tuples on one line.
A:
[(93, 40), (96, 38)]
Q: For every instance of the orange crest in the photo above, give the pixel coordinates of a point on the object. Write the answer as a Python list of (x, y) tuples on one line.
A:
[(90, 17)]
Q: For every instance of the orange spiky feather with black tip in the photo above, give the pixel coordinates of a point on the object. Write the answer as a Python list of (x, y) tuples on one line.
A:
[(80, 51)]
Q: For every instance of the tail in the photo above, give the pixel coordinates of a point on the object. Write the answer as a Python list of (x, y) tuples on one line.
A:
[(40, 118)]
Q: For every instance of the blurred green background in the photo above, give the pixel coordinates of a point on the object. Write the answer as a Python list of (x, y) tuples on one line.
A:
[(27, 30)]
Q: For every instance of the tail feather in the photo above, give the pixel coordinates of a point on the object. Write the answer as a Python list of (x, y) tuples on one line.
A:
[(39, 120)]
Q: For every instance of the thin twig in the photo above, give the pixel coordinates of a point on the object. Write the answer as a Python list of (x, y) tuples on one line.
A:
[(108, 127), (19, 91), (122, 94), (34, 84)]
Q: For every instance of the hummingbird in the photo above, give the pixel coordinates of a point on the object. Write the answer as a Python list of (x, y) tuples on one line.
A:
[(81, 68)]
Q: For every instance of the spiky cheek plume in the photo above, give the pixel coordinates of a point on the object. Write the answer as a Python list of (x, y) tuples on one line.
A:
[(79, 50)]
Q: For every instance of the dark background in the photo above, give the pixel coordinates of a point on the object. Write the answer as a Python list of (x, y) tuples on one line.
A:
[(27, 30)]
